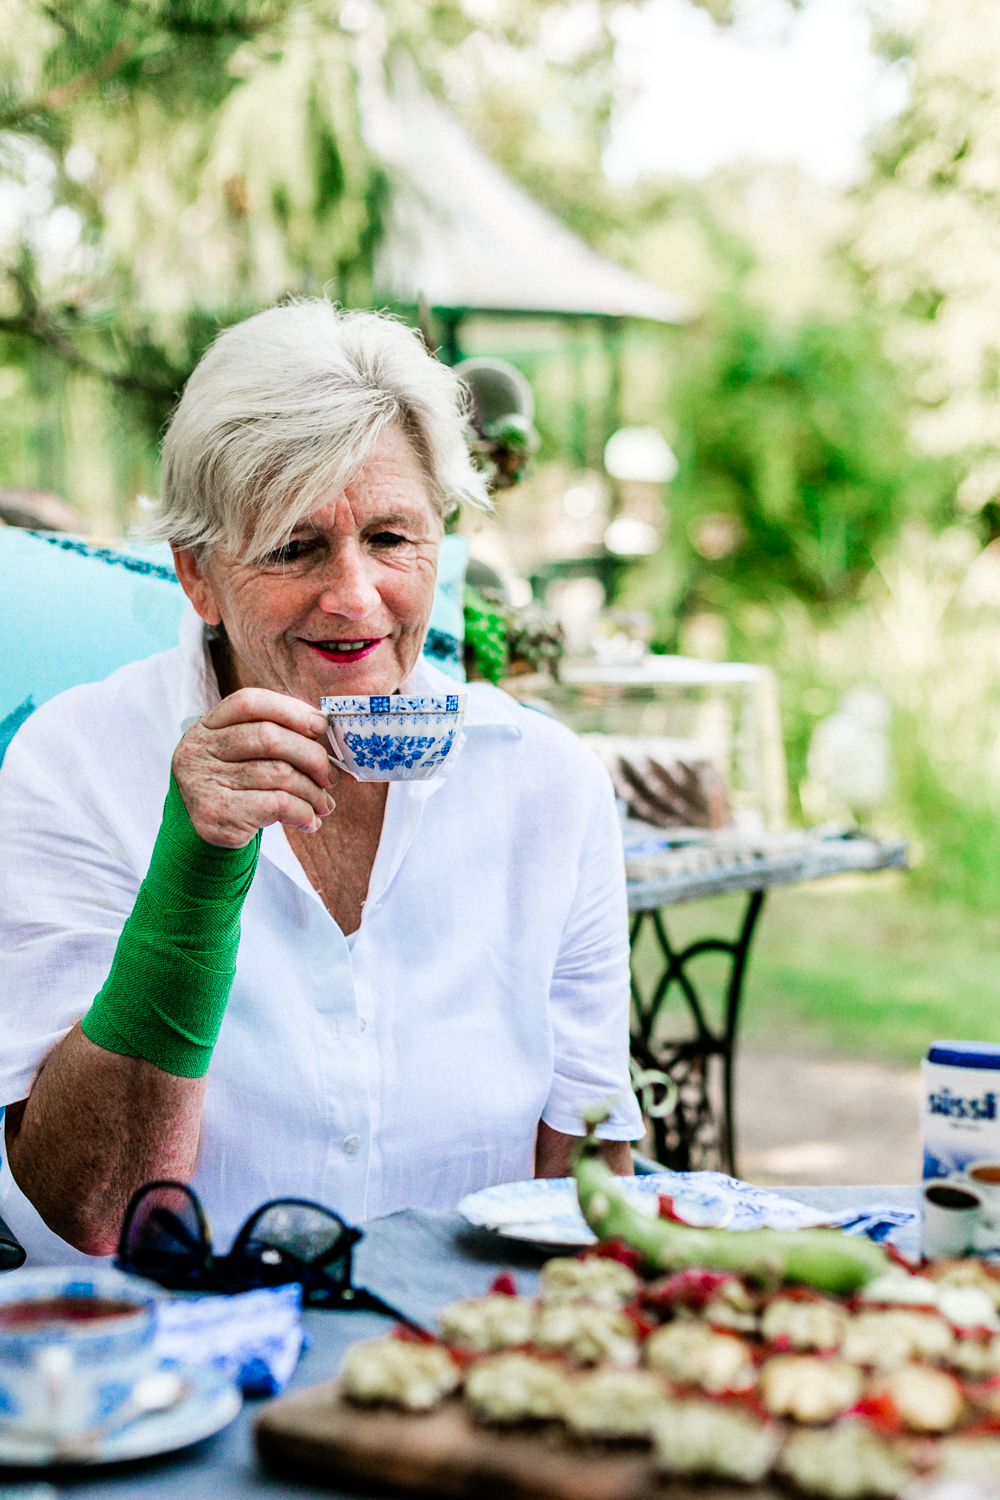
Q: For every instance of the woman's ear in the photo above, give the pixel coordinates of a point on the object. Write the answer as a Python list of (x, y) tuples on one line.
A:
[(196, 584)]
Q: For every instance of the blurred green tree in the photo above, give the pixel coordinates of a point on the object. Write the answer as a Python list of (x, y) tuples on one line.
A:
[(210, 157), (179, 162), (929, 237), (796, 465), (168, 166)]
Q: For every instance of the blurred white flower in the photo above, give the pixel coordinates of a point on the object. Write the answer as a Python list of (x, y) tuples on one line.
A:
[(629, 537), (849, 753)]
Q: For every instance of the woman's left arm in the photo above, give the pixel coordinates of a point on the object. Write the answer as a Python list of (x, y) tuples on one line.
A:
[(554, 1153), (589, 994)]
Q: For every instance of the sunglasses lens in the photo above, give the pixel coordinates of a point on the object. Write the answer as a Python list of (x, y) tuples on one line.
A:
[(289, 1241), (165, 1236)]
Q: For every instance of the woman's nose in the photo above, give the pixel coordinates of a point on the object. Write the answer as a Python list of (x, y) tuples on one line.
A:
[(348, 589)]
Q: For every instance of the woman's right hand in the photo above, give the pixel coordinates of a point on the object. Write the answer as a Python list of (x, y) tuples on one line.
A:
[(257, 758)]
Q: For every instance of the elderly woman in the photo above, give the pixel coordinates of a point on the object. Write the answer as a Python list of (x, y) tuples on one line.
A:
[(417, 986)]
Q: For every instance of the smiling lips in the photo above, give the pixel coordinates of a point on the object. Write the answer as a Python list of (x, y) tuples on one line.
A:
[(343, 651)]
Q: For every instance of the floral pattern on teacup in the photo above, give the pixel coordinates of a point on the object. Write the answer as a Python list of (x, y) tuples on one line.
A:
[(389, 738), (386, 752)]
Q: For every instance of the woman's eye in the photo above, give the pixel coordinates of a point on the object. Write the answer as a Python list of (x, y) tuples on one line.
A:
[(388, 539), (291, 552)]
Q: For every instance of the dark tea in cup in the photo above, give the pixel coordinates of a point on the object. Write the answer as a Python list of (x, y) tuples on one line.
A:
[(56, 1312), (951, 1197)]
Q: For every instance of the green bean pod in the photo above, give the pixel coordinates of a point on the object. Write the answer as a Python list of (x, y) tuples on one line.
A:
[(826, 1259)]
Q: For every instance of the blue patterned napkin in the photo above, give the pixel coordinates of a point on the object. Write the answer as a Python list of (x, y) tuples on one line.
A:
[(254, 1338)]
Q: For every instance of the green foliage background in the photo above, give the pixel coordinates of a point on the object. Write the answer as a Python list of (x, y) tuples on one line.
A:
[(168, 166)]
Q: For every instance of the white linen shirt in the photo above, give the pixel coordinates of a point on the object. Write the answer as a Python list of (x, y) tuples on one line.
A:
[(486, 988)]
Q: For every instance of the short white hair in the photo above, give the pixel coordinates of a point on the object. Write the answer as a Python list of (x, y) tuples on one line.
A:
[(286, 407)]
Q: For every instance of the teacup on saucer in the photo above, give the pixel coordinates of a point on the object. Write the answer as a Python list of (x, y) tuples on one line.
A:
[(382, 738), (72, 1346)]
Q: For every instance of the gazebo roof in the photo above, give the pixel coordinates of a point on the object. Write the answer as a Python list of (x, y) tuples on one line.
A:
[(462, 237)]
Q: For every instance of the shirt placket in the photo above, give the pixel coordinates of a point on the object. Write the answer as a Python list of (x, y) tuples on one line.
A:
[(403, 812), (341, 1060)]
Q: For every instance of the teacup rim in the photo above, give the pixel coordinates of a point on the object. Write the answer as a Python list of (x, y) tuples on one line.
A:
[(398, 703)]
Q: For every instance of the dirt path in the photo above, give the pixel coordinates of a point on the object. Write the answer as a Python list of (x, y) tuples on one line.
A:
[(809, 1119)]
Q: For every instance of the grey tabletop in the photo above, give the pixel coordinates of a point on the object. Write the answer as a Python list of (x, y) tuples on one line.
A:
[(416, 1261), (714, 867)]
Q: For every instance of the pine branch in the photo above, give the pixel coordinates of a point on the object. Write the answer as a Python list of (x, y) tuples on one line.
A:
[(64, 94), (35, 324)]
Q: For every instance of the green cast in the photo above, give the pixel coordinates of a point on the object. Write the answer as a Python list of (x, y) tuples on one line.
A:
[(176, 958)]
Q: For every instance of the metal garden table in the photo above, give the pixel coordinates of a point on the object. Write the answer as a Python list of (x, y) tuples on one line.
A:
[(695, 1132)]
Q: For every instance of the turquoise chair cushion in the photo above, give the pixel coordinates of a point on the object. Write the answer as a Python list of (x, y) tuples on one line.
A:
[(73, 612), (445, 643)]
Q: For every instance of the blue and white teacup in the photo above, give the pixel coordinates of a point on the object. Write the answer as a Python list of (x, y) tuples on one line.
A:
[(72, 1347), (381, 738)]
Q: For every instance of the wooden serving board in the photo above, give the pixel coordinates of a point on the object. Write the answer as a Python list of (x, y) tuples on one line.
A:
[(317, 1434)]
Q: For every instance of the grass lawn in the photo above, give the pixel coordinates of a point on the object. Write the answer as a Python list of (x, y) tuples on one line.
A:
[(864, 965)]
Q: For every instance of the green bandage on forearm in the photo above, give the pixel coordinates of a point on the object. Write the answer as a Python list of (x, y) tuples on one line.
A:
[(176, 958)]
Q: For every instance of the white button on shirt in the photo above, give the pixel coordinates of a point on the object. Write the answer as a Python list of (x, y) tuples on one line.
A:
[(486, 988)]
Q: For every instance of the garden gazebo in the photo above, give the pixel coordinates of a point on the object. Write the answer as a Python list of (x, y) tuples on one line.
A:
[(461, 238)]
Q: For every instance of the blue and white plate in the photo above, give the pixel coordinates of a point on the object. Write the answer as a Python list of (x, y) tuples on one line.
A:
[(210, 1404), (545, 1210)]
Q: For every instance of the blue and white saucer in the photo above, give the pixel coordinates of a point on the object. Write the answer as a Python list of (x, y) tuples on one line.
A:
[(211, 1403), (545, 1210)]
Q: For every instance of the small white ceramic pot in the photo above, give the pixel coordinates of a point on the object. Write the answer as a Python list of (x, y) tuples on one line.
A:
[(65, 1375), (393, 738)]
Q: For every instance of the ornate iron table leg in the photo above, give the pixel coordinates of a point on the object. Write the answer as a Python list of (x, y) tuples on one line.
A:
[(691, 1136)]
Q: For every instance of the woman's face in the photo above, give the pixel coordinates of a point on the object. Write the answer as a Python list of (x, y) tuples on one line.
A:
[(344, 606)]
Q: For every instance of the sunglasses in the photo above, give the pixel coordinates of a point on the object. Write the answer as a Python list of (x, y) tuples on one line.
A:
[(165, 1237)]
